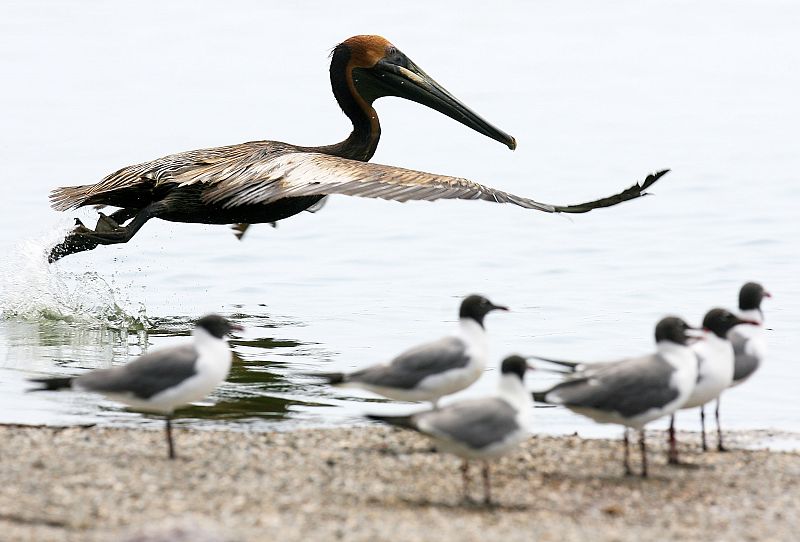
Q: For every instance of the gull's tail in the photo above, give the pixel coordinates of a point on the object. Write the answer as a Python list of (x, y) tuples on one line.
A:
[(572, 365), (405, 422), (329, 378), (540, 396), (51, 384)]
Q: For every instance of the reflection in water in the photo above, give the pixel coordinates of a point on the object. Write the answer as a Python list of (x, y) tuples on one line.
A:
[(259, 389)]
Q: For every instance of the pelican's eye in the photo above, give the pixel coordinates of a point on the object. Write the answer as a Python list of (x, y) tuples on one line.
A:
[(396, 57)]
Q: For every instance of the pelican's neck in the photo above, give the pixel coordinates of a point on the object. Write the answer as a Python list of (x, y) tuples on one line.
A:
[(512, 389), (363, 140), (356, 147)]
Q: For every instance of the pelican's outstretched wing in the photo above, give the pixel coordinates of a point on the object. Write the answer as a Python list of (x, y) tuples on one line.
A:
[(308, 174), (261, 172)]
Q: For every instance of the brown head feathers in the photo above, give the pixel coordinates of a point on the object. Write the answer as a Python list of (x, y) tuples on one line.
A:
[(365, 50)]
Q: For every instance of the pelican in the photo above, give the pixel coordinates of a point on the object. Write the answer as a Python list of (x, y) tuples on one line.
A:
[(267, 181)]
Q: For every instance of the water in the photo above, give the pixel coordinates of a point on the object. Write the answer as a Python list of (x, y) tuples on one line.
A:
[(597, 97)]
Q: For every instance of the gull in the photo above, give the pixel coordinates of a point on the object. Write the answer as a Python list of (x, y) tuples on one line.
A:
[(432, 370), (478, 429), (634, 391), (715, 366), (749, 347), (164, 379)]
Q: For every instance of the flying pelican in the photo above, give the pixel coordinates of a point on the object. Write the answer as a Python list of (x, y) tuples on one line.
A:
[(267, 181)]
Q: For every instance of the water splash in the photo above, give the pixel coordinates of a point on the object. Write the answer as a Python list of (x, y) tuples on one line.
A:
[(32, 289)]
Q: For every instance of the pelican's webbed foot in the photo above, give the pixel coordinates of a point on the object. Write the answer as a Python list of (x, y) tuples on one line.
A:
[(75, 241), (107, 232), (106, 224), (82, 239)]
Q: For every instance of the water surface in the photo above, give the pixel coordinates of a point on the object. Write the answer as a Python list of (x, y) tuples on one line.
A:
[(597, 97)]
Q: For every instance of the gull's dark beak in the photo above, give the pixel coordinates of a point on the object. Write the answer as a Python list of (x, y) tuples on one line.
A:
[(499, 308), (399, 76), (695, 334), (767, 294), (236, 327), (750, 322)]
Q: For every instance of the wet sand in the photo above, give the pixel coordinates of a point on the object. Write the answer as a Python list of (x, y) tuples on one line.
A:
[(370, 483)]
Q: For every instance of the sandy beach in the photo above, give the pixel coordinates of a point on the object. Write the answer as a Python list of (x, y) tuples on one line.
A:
[(369, 483)]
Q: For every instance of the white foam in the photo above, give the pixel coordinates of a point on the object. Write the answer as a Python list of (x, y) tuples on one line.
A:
[(31, 288)]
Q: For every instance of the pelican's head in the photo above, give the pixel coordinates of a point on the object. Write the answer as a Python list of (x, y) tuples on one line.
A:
[(377, 68)]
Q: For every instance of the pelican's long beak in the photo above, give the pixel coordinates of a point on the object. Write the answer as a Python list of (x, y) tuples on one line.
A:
[(400, 77)]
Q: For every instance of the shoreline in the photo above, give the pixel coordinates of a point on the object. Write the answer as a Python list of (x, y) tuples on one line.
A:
[(360, 483)]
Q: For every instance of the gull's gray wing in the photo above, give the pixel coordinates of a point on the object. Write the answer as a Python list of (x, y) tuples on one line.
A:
[(745, 362), (411, 367), (146, 376), (477, 423), (628, 387), (700, 361)]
